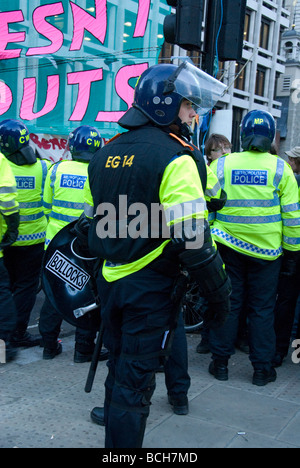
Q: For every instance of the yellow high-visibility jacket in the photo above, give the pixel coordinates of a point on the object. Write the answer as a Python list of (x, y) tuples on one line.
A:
[(30, 180), (63, 195), (8, 194), (180, 185), (261, 216)]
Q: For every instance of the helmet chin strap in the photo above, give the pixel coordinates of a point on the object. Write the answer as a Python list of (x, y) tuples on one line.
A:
[(184, 129)]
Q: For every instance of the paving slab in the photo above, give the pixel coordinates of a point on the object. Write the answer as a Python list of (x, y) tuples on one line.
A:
[(43, 405)]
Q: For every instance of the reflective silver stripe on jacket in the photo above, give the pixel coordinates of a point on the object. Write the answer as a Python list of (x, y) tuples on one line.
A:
[(249, 219), (4, 190), (245, 245)]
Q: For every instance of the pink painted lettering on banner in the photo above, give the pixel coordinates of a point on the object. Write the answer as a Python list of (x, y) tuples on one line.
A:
[(84, 79), (29, 93), (142, 18), (42, 26), (5, 97), (123, 89), (84, 21), (6, 37)]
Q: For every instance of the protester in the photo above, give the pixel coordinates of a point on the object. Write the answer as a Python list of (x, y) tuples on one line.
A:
[(215, 146), (294, 159)]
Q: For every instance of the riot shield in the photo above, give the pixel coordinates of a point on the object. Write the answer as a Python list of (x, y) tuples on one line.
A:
[(68, 282)]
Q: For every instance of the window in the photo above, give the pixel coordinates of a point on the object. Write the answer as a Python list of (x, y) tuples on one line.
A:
[(288, 47), (247, 27), (260, 81), (236, 122), (240, 74), (264, 34)]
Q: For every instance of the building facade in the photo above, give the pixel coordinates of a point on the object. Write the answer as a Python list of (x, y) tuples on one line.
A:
[(252, 81), (288, 86)]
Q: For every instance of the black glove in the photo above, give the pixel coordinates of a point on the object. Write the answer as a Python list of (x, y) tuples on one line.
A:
[(216, 204), (81, 231), (290, 263), (217, 312), (11, 235)]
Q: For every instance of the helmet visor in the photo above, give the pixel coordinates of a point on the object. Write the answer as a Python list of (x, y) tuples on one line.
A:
[(196, 86)]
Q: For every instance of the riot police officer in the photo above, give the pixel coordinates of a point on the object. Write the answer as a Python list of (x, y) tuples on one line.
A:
[(259, 223), (9, 222), (23, 259), (63, 203), (141, 170)]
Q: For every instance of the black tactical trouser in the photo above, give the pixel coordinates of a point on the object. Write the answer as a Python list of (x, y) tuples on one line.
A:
[(137, 313), (254, 282), (8, 313), (23, 264)]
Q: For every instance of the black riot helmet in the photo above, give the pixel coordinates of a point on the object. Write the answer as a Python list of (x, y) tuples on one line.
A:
[(161, 89), (14, 142), (83, 142), (258, 131)]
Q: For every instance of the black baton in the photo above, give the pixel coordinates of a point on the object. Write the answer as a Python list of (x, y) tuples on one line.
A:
[(95, 360)]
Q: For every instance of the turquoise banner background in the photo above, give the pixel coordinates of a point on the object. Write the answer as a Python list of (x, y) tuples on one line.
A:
[(65, 64)]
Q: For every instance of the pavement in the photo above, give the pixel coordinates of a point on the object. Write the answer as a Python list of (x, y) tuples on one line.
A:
[(43, 404)]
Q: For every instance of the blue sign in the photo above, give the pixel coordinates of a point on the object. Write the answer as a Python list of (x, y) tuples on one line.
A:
[(249, 177), (25, 183), (72, 181)]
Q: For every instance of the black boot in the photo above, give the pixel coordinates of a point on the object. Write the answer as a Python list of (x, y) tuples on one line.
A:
[(25, 340), (219, 370), (180, 404), (262, 377), (97, 416), (52, 352)]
